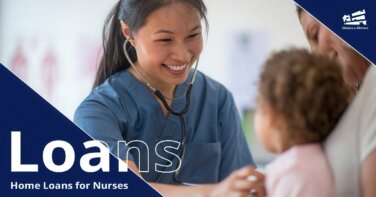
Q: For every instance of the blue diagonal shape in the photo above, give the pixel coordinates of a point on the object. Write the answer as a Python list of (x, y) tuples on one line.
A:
[(332, 12), (22, 109)]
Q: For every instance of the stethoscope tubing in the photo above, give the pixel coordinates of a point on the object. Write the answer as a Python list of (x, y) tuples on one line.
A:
[(180, 113)]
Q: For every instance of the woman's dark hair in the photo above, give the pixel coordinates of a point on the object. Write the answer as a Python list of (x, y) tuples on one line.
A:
[(299, 11), (133, 13), (307, 90)]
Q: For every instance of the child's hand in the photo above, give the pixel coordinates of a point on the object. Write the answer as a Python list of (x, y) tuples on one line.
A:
[(237, 184)]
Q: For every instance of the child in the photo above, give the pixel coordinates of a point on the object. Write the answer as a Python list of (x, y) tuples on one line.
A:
[(301, 98)]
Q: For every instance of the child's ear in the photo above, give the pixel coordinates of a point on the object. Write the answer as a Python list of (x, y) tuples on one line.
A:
[(276, 120), (271, 121), (277, 124)]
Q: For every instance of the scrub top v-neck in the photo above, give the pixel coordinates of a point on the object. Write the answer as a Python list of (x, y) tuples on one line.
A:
[(123, 109)]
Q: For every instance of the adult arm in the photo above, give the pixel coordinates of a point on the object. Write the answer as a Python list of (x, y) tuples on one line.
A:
[(369, 175), (368, 134)]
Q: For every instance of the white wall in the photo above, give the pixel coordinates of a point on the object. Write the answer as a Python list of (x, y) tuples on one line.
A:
[(277, 18), (67, 32)]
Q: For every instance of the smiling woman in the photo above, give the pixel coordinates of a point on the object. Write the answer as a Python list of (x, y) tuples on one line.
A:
[(147, 97), (351, 147), (323, 41)]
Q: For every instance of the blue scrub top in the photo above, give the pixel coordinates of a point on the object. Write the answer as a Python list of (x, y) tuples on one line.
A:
[(123, 109)]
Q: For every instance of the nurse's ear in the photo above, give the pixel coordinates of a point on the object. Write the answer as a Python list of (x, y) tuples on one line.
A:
[(127, 33)]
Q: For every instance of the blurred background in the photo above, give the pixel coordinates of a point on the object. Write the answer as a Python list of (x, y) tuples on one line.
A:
[(54, 46)]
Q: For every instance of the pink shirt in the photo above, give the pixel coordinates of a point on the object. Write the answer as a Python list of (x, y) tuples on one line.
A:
[(302, 170)]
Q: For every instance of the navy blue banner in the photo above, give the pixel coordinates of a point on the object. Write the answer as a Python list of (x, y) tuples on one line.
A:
[(28, 124), (353, 21)]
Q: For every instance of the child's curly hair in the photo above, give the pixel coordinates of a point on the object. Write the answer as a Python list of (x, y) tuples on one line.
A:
[(307, 90)]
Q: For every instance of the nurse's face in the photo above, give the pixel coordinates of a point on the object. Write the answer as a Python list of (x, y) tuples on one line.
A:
[(353, 65), (168, 44)]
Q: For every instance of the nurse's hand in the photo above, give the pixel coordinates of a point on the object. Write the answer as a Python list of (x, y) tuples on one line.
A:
[(239, 184)]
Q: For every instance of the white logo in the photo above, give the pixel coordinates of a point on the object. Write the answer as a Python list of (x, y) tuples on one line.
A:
[(356, 20)]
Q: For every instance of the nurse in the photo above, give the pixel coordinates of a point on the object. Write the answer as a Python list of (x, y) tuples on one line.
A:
[(150, 47)]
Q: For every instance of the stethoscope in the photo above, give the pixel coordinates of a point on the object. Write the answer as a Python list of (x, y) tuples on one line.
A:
[(163, 98)]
